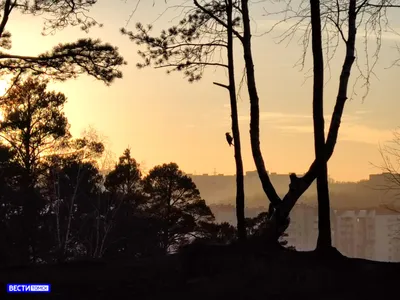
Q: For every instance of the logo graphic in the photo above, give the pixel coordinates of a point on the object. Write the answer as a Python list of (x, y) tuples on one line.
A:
[(28, 288)]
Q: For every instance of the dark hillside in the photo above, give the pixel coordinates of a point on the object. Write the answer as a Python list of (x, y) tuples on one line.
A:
[(289, 275)]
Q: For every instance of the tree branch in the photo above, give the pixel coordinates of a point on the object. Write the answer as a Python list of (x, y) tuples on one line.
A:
[(7, 10), (196, 45), (237, 34), (221, 85), (68, 60), (192, 63)]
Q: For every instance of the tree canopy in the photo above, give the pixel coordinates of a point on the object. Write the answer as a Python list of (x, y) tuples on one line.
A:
[(65, 60), (51, 188)]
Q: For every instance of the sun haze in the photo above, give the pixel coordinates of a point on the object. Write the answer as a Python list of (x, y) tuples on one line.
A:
[(163, 118)]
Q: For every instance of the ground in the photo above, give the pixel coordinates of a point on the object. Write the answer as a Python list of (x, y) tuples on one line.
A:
[(288, 275)]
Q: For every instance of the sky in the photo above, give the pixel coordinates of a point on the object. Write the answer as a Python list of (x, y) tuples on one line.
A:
[(163, 118)]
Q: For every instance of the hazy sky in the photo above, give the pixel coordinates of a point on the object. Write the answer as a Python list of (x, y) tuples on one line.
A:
[(163, 118)]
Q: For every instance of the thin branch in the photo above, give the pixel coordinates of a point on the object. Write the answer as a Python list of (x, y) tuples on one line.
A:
[(237, 34), (221, 85), (192, 63), (7, 10)]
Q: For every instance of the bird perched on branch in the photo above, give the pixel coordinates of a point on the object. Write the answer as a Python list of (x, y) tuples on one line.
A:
[(229, 139), (294, 181)]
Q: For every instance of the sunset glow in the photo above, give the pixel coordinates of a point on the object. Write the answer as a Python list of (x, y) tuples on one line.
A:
[(206, 148), (186, 123)]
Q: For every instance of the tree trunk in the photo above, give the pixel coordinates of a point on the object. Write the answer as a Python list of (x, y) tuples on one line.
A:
[(240, 205), (293, 195), (304, 182), (324, 226), (29, 218), (283, 208), (29, 208), (71, 213), (255, 109)]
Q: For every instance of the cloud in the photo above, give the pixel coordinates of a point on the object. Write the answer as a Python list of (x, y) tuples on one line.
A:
[(296, 119), (295, 129), (364, 134), (353, 133), (351, 129), (362, 112), (276, 117)]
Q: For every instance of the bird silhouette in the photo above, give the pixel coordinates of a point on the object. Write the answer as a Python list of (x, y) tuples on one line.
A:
[(229, 139)]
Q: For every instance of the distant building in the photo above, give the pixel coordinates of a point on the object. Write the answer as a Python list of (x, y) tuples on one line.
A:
[(371, 233), (222, 188), (387, 235), (252, 173), (303, 229), (368, 233), (384, 181), (355, 233)]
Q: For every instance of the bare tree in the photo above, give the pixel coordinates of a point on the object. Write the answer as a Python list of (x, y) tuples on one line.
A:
[(324, 227), (390, 155), (205, 29), (73, 167), (240, 205), (340, 19)]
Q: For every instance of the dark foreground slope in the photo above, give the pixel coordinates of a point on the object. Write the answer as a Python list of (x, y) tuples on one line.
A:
[(287, 276)]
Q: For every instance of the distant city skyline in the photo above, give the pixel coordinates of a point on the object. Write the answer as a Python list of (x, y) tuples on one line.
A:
[(254, 172), (362, 194)]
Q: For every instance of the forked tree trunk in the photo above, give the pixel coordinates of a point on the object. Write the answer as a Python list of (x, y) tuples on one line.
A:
[(292, 196), (324, 226), (285, 206)]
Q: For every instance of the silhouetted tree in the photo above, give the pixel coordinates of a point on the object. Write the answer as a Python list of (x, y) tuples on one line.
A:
[(324, 241), (33, 123), (223, 233), (72, 185), (64, 60), (390, 154), (190, 47), (78, 206), (10, 173), (174, 199), (134, 232), (104, 159), (390, 185), (259, 227), (10, 206), (125, 179), (165, 47), (341, 20)]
